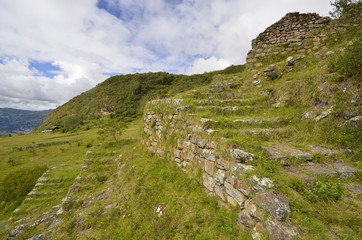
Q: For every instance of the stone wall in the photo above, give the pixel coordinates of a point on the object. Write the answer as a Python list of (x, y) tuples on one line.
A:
[(171, 132), (295, 32)]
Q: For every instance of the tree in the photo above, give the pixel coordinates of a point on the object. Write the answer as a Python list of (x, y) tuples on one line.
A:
[(112, 127), (347, 10)]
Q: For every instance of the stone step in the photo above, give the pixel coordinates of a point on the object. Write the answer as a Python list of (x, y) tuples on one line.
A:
[(302, 155), (226, 110), (240, 123), (227, 102), (221, 95)]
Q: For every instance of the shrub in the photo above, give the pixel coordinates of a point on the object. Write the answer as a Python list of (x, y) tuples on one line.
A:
[(347, 10), (348, 63), (325, 192)]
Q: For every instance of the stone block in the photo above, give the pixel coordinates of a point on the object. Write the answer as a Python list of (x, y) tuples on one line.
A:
[(235, 194), (253, 209), (220, 191), (241, 169), (208, 181), (240, 155), (220, 176), (261, 184), (277, 205), (280, 230), (209, 167), (209, 154), (245, 219)]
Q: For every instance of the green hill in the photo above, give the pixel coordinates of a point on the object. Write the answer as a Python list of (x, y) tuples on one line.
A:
[(20, 121), (124, 96)]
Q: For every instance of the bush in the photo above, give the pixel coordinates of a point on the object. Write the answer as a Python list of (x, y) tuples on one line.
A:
[(348, 63), (347, 10), (325, 192)]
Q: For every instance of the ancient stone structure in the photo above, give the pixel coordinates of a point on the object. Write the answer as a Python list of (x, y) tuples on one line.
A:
[(294, 32), (169, 131)]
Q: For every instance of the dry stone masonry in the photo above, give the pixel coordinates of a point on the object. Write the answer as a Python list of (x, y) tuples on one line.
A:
[(294, 32), (169, 131)]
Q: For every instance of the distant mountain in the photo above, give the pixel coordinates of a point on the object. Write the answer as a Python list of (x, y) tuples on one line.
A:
[(20, 121)]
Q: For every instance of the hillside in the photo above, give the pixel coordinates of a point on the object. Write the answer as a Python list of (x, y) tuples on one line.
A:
[(271, 150), (20, 121), (124, 96)]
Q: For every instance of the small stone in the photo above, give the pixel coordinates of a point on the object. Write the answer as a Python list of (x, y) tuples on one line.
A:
[(309, 115), (210, 167), (348, 114), (220, 191), (177, 153), (220, 176), (261, 184), (277, 205), (235, 194), (89, 152), (353, 122), (240, 155), (257, 231), (253, 210), (241, 169), (245, 219), (160, 209), (208, 154), (208, 181), (324, 114), (280, 230)]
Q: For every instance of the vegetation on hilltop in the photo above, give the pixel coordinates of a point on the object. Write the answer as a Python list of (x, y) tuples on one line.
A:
[(124, 96)]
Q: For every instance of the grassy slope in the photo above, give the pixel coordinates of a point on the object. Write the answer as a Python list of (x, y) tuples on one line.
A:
[(309, 86), (134, 184)]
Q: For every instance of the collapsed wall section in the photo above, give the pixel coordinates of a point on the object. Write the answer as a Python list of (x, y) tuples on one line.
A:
[(171, 132), (295, 32)]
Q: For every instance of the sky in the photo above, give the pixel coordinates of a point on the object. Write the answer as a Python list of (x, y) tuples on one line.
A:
[(53, 50)]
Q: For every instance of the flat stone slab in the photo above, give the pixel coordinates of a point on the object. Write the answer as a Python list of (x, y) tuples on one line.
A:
[(344, 170), (320, 169), (266, 131), (354, 188), (321, 150), (337, 168), (294, 152), (274, 154)]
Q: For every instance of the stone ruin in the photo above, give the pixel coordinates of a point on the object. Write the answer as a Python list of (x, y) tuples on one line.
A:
[(294, 32)]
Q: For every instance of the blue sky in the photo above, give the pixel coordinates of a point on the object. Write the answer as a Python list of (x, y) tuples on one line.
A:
[(61, 48)]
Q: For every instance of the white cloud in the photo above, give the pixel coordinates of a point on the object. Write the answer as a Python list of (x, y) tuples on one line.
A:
[(202, 65), (86, 42)]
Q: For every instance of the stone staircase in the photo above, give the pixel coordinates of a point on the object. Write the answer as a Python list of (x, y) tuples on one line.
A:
[(227, 131), (39, 208)]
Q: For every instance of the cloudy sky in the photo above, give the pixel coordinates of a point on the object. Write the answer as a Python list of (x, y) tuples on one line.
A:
[(52, 50)]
